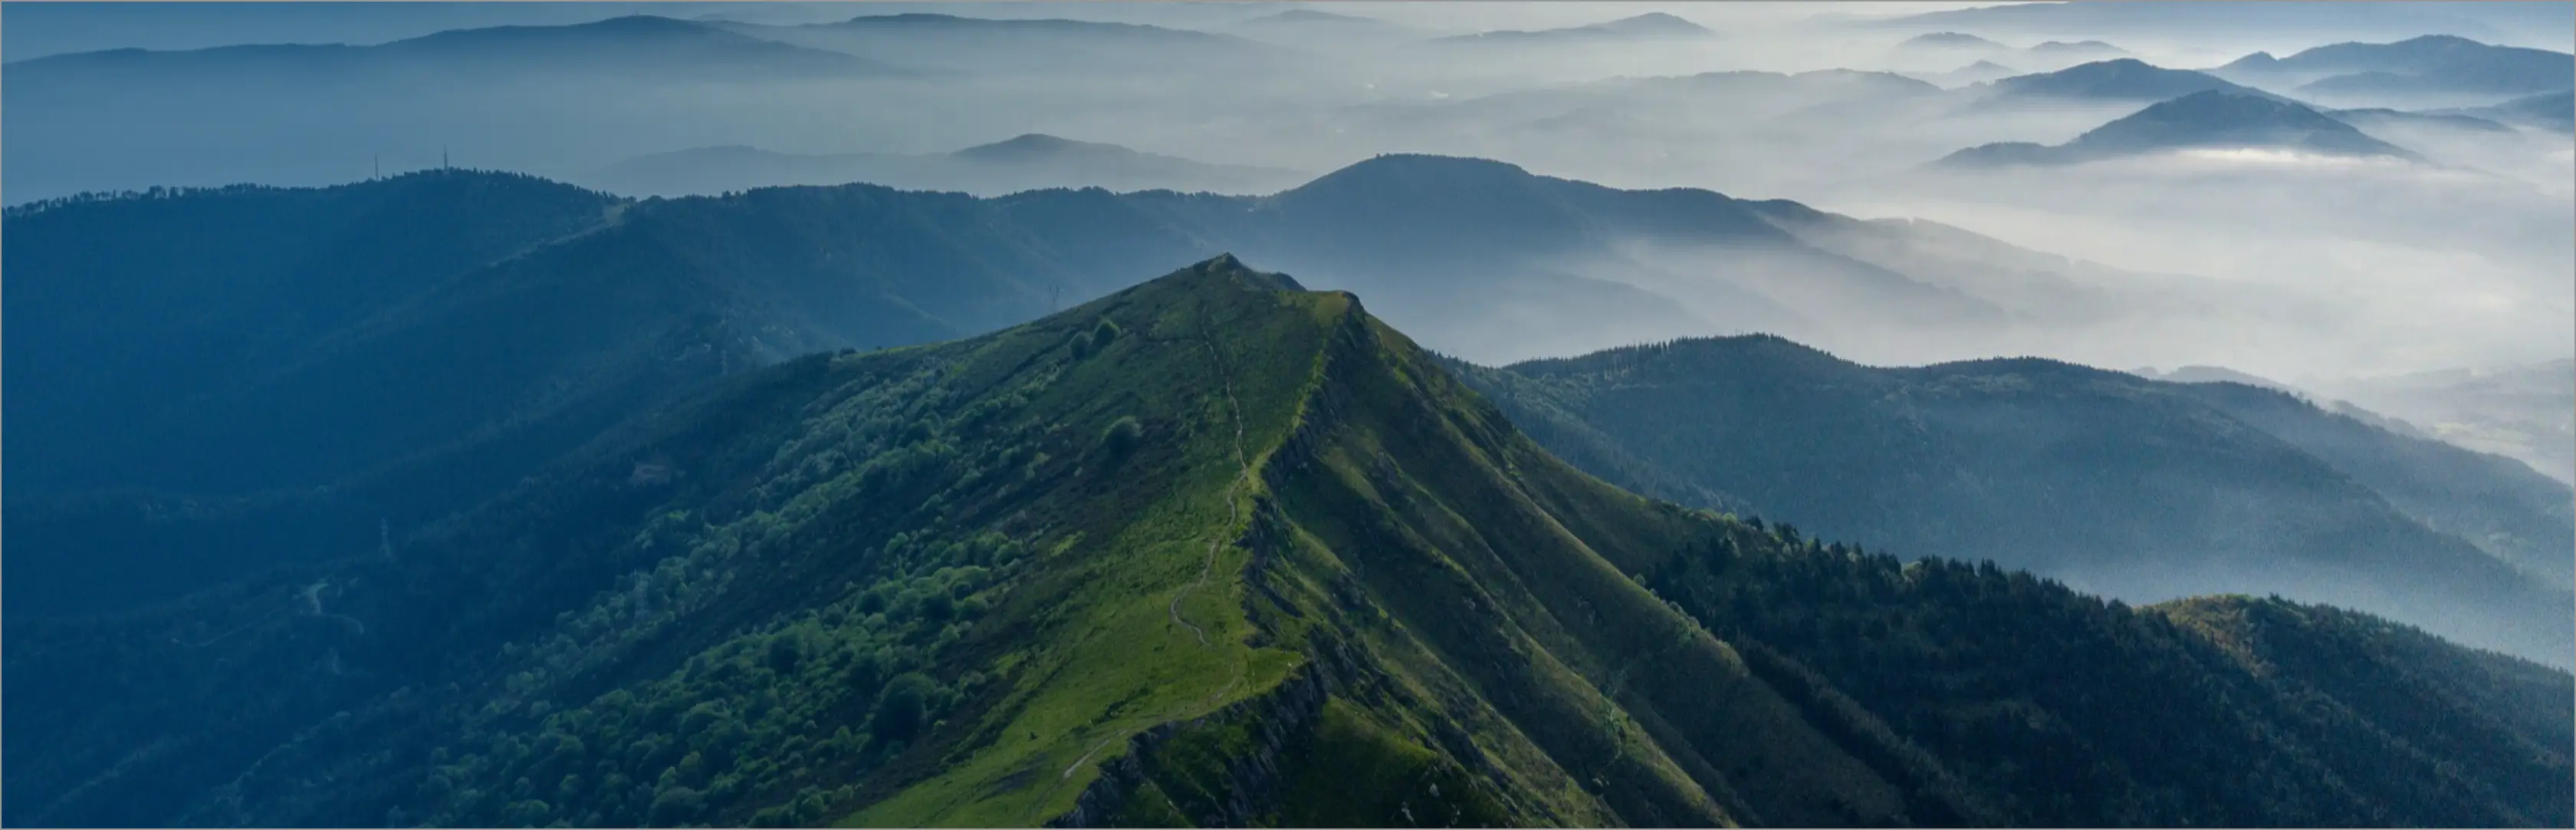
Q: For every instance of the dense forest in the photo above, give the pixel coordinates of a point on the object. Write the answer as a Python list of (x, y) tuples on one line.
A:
[(2122, 485), (1212, 550), (216, 380)]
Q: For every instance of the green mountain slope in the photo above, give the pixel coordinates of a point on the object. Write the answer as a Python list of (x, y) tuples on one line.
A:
[(1211, 550), (325, 364), (2118, 484)]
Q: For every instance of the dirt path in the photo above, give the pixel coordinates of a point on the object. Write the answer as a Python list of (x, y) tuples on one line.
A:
[(1243, 475), (1216, 543)]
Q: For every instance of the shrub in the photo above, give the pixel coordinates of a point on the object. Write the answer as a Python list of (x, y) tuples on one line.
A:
[(904, 707), (1122, 436)]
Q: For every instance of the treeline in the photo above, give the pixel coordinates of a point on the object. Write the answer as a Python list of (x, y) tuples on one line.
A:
[(155, 193)]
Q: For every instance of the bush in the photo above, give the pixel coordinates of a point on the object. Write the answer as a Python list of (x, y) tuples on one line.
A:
[(904, 707), (1122, 436)]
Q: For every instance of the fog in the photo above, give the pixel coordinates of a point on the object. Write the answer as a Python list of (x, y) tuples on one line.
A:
[(2268, 260)]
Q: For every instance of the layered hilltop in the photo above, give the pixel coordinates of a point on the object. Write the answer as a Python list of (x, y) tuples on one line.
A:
[(1215, 550)]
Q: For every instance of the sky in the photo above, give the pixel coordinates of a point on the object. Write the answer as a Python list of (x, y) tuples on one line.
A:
[(2325, 266)]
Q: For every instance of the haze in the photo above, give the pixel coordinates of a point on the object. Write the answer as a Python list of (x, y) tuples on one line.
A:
[(2277, 262)]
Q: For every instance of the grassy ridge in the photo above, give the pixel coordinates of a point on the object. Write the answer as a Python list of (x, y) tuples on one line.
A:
[(1212, 551)]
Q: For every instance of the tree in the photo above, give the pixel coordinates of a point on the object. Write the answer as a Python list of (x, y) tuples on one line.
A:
[(904, 707), (1122, 436)]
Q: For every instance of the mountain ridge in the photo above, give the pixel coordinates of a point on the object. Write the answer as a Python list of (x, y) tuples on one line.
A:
[(2207, 119), (1766, 425), (999, 581), (1031, 161)]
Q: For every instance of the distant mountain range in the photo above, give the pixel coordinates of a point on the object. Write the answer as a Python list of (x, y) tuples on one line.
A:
[(1322, 28), (2367, 119), (2431, 64), (2208, 119), (1651, 26), (549, 309), (640, 46), (1028, 162), (2547, 111), (571, 305), (2216, 374), (975, 45), (1975, 73), (2534, 23), (2082, 50), (2123, 79), (2066, 470), (1947, 46), (2526, 412)]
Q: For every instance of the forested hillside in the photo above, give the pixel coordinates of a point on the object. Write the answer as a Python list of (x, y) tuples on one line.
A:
[(1213, 550), (2118, 484), (219, 381)]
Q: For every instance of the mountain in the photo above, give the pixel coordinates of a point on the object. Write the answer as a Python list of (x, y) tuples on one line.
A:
[(2427, 64), (2124, 79), (502, 322), (1028, 162), (2499, 504), (69, 29), (2083, 50), (151, 334), (1322, 29), (2548, 111), (1954, 46), (1746, 91), (2381, 118), (2212, 118), (2554, 110), (1975, 73), (2139, 489), (974, 45), (2528, 24), (1948, 45), (2524, 412), (1215, 550), (1949, 40), (639, 46), (2216, 374), (1652, 26), (278, 409)]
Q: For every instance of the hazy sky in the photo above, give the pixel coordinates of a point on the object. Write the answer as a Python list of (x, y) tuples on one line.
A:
[(2321, 266)]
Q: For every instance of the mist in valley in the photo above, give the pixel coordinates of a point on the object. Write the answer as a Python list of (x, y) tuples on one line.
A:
[(1826, 127)]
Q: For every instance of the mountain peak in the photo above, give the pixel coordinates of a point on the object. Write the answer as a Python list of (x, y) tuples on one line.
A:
[(2443, 41), (2081, 46), (1949, 39), (1412, 175), (1654, 23), (2218, 117), (1032, 146), (1225, 266), (1417, 165), (2128, 79)]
